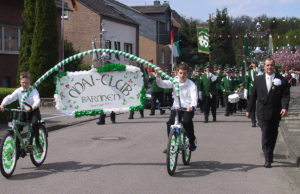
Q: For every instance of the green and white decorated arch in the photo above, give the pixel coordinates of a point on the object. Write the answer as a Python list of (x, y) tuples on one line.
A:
[(112, 87)]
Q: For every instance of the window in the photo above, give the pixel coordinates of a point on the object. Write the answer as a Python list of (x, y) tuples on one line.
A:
[(128, 48), (162, 56), (9, 39), (117, 45)]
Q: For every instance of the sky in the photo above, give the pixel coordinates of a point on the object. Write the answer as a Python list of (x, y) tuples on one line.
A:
[(200, 9)]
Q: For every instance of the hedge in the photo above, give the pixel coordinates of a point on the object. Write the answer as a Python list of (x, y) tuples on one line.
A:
[(4, 116)]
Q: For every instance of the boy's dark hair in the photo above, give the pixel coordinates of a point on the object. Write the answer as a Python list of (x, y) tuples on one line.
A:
[(25, 75), (183, 66)]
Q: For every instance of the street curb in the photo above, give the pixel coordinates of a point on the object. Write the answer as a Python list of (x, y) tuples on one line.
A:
[(293, 152)]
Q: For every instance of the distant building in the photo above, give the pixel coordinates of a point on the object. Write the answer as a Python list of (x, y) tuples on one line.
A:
[(10, 38)]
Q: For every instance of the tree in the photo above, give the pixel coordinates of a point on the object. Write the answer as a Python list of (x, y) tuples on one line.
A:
[(68, 52), (221, 49), (188, 44), (44, 50), (27, 35)]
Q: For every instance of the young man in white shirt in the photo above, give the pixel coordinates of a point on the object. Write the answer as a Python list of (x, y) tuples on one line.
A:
[(188, 100), (31, 113)]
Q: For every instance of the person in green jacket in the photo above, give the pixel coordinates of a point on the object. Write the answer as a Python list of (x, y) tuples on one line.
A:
[(227, 86), (156, 94), (208, 88), (220, 74)]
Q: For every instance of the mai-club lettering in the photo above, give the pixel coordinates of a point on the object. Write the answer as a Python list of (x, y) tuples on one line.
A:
[(80, 87), (120, 85)]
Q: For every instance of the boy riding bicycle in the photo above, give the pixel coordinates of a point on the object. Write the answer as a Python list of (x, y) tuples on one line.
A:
[(188, 100), (31, 113)]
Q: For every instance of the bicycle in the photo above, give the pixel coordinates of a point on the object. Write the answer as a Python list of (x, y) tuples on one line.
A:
[(178, 142), (12, 145)]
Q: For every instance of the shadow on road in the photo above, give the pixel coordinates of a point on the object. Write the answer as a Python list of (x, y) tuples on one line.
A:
[(202, 168), (58, 167)]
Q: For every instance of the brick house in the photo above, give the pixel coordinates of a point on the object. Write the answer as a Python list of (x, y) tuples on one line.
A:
[(99, 22), (10, 37)]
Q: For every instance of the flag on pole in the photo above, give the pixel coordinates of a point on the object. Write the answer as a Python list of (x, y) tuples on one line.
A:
[(203, 40), (176, 49), (74, 4), (172, 36)]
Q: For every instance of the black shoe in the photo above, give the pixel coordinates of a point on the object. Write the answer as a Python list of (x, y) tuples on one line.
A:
[(113, 122), (206, 121), (193, 147), (151, 114), (39, 148), (165, 151), (100, 123), (130, 117), (226, 115), (253, 125), (162, 112), (214, 119), (267, 165)]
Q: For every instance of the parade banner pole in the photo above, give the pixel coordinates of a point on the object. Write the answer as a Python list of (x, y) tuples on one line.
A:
[(80, 55)]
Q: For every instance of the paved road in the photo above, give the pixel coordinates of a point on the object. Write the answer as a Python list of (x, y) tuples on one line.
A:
[(228, 160)]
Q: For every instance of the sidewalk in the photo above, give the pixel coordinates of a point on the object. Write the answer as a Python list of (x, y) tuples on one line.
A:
[(55, 120), (290, 126)]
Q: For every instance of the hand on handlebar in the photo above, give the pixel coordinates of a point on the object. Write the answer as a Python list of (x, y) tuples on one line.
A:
[(189, 109), (2, 108)]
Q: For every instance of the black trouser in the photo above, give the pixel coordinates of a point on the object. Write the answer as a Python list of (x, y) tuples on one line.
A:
[(209, 104), (132, 113), (187, 121), (269, 129), (168, 100), (220, 99), (154, 97), (112, 117), (33, 117), (242, 104), (228, 105)]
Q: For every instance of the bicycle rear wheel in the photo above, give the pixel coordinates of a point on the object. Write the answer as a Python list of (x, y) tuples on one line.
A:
[(38, 158), (8, 154), (186, 152), (172, 153)]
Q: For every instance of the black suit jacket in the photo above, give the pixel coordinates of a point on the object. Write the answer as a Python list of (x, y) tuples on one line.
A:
[(269, 105)]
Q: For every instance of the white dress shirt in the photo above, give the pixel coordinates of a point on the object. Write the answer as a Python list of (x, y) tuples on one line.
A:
[(33, 99), (269, 80), (187, 91)]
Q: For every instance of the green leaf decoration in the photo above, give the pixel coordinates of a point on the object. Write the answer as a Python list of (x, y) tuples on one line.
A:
[(89, 113), (112, 67), (76, 107), (142, 100), (74, 102)]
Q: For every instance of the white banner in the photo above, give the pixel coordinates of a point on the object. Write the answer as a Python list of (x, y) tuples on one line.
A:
[(108, 91)]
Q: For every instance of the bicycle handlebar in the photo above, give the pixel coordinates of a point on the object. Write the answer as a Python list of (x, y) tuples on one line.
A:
[(17, 109)]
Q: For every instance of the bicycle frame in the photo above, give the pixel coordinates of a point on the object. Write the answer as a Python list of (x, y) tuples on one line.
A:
[(13, 124)]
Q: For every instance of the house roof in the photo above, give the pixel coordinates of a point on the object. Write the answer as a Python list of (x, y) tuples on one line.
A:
[(152, 8), (102, 8)]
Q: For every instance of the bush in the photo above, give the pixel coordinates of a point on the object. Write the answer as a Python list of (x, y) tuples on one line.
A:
[(4, 117)]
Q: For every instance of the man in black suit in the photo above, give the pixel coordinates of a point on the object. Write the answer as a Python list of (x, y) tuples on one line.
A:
[(270, 95)]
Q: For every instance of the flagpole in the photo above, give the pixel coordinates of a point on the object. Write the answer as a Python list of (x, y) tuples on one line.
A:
[(62, 30)]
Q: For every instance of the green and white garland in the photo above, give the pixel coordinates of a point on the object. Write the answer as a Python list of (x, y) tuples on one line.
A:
[(80, 55)]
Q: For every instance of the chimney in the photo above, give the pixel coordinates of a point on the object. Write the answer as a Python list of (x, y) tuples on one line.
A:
[(166, 3), (156, 3)]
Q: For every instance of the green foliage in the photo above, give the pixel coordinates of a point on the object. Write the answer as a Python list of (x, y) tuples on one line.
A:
[(285, 41), (68, 52), (4, 116), (44, 50), (27, 35), (221, 49)]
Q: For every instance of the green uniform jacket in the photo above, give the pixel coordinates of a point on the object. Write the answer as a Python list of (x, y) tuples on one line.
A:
[(207, 86), (251, 76), (227, 85), (154, 87)]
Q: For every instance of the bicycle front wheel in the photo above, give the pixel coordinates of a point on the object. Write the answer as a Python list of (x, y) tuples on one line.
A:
[(8, 154), (38, 158), (172, 153), (186, 152)]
